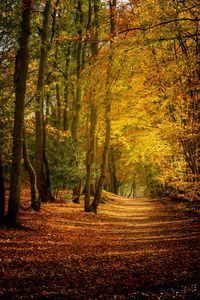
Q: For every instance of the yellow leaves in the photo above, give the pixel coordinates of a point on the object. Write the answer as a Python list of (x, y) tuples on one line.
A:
[(64, 36), (30, 122), (30, 128), (61, 135), (33, 65)]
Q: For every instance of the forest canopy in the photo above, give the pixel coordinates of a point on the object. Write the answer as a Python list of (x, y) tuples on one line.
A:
[(99, 95)]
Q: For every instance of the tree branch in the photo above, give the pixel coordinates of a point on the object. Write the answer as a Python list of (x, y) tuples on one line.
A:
[(159, 24)]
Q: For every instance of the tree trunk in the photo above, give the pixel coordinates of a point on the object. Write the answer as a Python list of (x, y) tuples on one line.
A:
[(93, 109), (2, 193), (66, 92), (35, 204), (76, 194), (77, 101), (46, 171), (59, 106), (113, 176), (101, 180), (90, 155), (20, 78), (107, 104), (39, 140)]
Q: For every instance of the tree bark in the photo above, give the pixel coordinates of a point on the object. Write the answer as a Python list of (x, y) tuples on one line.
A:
[(46, 171), (44, 195), (93, 107), (77, 101), (35, 204), (107, 104), (2, 193), (66, 92), (101, 180), (90, 155), (59, 106), (20, 78), (77, 193), (112, 167)]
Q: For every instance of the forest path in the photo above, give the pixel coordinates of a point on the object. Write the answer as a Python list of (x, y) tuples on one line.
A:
[(132, 249)]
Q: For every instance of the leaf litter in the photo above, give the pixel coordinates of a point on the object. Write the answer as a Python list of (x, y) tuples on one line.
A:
[(132, 249)]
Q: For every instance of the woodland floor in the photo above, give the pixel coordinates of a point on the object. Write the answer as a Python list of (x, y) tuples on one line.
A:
[(132, 249)]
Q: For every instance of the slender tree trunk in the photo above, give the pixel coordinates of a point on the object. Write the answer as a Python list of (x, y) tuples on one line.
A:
[(77, 193), (66, 92), (46, 170), (39, 150), (35, 204), (101, 180), (77, 102), (107, 104), (20, 78), (59, 106), (93, 107), (133, 189), (112, 167), (90, 155), (2, 192)]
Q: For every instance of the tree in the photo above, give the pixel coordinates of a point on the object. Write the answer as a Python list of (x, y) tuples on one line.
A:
[(66, 92), (77, 100), (2, 194), (107, 104), (20, 78), (35, 204), (79, 22), (43, 189), (93, 28), (8, 42)]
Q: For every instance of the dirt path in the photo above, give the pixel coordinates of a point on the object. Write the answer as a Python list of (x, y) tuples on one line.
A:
[(133, 249)]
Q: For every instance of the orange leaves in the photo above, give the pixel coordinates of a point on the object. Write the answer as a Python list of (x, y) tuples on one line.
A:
[(69, 254), (60, 134)]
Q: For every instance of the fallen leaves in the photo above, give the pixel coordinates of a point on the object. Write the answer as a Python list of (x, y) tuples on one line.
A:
[(133, 249)]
